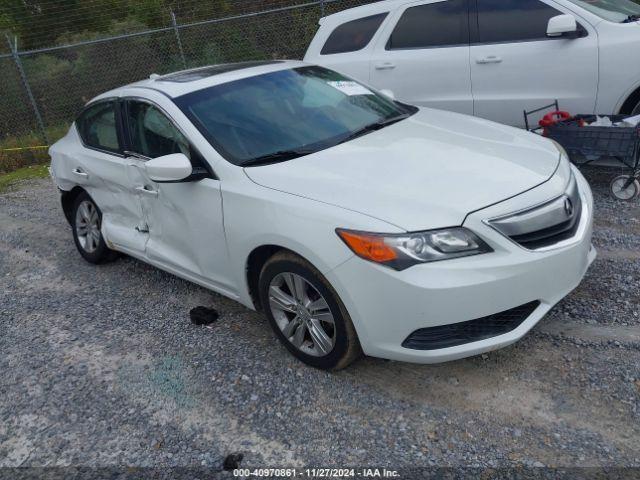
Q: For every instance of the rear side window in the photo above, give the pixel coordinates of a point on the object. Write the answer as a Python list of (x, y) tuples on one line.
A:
[(97, 127), (503, 21), (353, 36), (433, 25)]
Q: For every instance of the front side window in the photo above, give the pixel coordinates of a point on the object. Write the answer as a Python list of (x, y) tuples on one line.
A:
[(432, 25), (97, 127), (612, 10), (151, 133), (286, 114), (505, 21), (353, 36)]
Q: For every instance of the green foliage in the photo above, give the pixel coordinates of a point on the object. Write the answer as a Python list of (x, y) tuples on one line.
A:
[(22, 174), (18, 151), (63, 80), (43, 23)]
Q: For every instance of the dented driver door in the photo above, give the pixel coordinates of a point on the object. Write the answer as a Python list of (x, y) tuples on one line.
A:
[(182, 221)]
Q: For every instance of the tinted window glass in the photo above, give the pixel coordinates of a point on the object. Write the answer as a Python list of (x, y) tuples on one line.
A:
[(97, 127), (152, 133), (513, 20), (306, 110), (353, 36), (433, 25)]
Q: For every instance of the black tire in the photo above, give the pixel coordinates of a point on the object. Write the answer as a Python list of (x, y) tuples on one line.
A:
[(628, 194), (101, 253), (346, 348)]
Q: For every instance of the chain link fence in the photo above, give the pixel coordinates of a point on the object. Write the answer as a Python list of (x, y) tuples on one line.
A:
[(43, 89)]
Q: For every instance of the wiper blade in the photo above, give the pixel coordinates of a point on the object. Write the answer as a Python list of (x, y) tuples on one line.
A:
[(375, 126), (632, 18), (276, 157)]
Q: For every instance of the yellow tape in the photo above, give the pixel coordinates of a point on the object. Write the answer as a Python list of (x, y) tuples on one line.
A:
[(17, 149)]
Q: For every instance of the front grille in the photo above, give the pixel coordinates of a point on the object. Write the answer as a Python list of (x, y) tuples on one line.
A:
[(552, 235), (544, 225), (444, 336)]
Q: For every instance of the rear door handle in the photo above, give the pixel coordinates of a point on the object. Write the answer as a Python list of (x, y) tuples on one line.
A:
[(489, 59), (79, 172), (147, 191), (385, 66)]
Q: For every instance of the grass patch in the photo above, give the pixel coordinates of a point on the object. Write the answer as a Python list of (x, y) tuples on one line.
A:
[(25, 173), (18, 151)]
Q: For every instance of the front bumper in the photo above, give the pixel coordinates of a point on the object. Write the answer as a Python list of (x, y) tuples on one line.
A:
[(386, 306)]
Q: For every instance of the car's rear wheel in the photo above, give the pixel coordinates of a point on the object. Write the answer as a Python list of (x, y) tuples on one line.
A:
[(306, 313), (636, 110), (86, 221)]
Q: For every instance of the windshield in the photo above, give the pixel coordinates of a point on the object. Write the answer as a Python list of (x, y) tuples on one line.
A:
[(286, 114), (612, 10)]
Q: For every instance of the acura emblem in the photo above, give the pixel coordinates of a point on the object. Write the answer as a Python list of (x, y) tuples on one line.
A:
[(568, 207)]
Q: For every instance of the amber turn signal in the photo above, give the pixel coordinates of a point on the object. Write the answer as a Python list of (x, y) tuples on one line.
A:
[(367, 246)]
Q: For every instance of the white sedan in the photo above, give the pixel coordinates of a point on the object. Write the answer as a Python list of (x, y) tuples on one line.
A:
[(356, 223)]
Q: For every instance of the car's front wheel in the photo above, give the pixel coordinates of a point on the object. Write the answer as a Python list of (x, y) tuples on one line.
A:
[(86, 222), (306, 313)]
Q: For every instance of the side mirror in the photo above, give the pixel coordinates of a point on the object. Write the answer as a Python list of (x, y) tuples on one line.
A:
[(562, 26), (388, 93), (169, 168)]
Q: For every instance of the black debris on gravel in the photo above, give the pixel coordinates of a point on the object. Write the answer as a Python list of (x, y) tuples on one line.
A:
[(203, 315), (232, 461)]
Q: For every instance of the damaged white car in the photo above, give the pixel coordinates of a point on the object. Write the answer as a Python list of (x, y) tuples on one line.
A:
[(356, 223)]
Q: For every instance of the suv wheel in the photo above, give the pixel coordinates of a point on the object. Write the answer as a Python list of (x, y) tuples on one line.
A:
[(306, 313)]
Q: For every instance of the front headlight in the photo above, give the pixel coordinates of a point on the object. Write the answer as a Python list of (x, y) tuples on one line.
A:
[(401, 251)]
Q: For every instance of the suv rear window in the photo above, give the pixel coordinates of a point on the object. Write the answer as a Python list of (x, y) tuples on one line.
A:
[(432, 25), (353, 36)]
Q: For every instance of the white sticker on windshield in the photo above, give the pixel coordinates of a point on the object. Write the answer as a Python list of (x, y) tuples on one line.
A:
[(350, 88)]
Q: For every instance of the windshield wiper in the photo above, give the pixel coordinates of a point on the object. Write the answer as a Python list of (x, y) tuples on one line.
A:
[(276, 157), (372, 127), (632, 18), (284, 155)]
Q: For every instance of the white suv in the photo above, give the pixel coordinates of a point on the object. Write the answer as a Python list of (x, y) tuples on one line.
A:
[(491, 58)]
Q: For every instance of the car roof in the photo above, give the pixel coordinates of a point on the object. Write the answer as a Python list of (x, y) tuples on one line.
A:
[(182, 82)]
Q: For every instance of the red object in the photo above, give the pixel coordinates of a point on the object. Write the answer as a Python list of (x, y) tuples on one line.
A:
[(554, 117)]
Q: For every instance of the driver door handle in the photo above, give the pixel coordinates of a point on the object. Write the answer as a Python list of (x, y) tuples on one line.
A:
[(489, 59), (385, 66), (147, 191)]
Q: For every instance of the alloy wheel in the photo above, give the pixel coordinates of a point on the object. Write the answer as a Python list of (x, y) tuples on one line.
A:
[(302, 314), (636, 110), (88, 226)]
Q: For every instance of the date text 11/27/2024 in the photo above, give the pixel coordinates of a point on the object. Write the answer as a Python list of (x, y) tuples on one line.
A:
[(316, 473)]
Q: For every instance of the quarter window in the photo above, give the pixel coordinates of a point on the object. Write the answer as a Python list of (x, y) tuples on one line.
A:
[(152, 134), (353, 36), (502, 21), (97, 127), (432, 25)]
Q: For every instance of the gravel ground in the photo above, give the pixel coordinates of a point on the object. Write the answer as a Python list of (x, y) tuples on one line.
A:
[(102, 367)]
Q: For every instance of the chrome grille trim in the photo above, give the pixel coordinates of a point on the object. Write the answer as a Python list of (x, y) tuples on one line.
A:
[(546, 226)]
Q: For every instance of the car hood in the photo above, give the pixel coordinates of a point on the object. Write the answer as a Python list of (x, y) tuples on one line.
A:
[(428, 171)]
